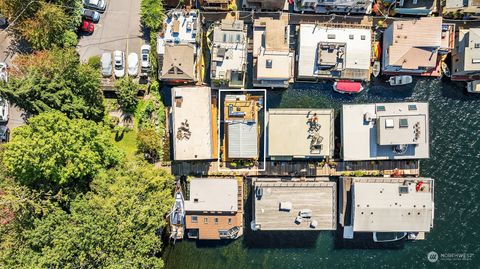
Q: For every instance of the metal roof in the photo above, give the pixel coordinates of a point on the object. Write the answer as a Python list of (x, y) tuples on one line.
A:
[(242, 140)]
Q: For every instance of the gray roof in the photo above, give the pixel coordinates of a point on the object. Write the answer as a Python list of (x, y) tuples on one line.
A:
[(213, 194), (317, 195), (178, 62), (242, 140), (380, 207), (369, 133)]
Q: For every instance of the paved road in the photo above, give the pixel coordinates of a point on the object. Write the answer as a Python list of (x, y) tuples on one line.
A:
[(119, 29), (6, 53)]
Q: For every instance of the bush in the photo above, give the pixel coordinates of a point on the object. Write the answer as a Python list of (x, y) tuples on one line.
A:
[(113, 122), (126, 91), (70, 39), (149, 143), (94, 62)]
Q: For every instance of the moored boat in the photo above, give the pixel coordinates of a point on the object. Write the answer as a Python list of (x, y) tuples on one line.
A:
[(445, 70), (400, 80), (347, 86), (376, 68), (473, 86), (177, 216)]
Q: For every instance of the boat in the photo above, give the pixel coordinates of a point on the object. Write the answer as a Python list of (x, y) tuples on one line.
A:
[(400, 80), (473, 86), (177, 216), (347, 86), (445, 70), (381, 237), (376, 68)]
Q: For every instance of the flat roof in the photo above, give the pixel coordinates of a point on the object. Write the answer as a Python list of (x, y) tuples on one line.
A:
[(192, 123), (319, 196), (357, 50), (185, 25), (369, 139), (213, 194), (289, 135), (392, 206)]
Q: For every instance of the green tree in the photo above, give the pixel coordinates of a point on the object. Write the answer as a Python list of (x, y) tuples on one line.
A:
[(54, 152), (151, 13), (45, 29), (127, 90), (55, 80), (149, 143), (116, 225)]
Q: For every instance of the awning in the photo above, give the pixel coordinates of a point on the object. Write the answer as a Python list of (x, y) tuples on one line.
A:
[(348, 86)]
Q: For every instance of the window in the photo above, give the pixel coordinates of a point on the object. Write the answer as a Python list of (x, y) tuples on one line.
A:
[(403, 123), (216, 221), (331, 36), (412, 107), (380, 108), (269, 64), (171, 71), (350, 36), (205, 220), (362, 37), (224, 37), (179, 72), (194, 219), (229, 221)]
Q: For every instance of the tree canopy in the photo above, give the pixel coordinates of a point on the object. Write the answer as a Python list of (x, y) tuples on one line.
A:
[(44, 24), (127, 90), (115, 225), (53, 151), (55, 80), (151, 13)]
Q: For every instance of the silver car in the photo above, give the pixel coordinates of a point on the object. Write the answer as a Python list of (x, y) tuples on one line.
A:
[(107, 66), (3, 73), (99, 5), (3, 110)]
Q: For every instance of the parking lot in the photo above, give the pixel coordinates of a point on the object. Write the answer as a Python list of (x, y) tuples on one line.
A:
[(119, 28)]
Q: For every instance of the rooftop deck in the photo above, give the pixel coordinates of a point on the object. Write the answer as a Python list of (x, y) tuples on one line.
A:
[(319, 196)]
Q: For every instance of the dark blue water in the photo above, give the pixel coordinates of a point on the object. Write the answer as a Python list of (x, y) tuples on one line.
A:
[(454, 164)]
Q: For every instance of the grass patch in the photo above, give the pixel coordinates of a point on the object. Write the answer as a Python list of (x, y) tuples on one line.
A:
[(126, 143)]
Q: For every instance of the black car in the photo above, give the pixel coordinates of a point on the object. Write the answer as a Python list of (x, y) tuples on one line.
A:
[(91, 15)]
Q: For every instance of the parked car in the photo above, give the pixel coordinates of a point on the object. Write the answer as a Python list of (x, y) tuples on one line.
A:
[(3, 20), (107, 67), (87, 27), (4, 133), (91, 15), (119, 58), (99, 5), (3, 72), (3, 110), (132, 62), (145, 54)]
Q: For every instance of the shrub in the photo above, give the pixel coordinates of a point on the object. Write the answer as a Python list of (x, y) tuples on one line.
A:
[(149, 143), (126, 90), (94, 62), (70, 39)]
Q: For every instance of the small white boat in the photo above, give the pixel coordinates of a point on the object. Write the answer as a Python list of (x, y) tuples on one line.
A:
[(382, 237), (473, 86), (376, 68), (400, 80), (177, 217), (445, 70)]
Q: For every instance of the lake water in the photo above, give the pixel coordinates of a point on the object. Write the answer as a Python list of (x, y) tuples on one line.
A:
[(454, 164)]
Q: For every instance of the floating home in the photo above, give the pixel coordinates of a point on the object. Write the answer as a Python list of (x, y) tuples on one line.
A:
[(334, 6), (334, 52), (294, 204), (385, 131), (390, 208), (214, 209), (300, 133), (241, 126), (273, 60), (262, 5), (215, 5), (228, 68), (466, 56), (177, 48), (192, 124), (413, 47)]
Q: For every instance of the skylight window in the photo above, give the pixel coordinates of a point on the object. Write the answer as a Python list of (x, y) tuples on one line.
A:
[(269, 63), (412, 107), (389, 123), (403, 123), (380, 108)]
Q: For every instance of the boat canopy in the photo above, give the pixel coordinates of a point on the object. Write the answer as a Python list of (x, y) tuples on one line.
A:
[(349, 86)]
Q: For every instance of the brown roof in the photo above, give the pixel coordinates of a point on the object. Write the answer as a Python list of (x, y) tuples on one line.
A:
[(275, 39), (178, 62), (268, 4)]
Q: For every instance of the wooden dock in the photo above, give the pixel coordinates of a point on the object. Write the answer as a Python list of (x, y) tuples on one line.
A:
[(298, 169)]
